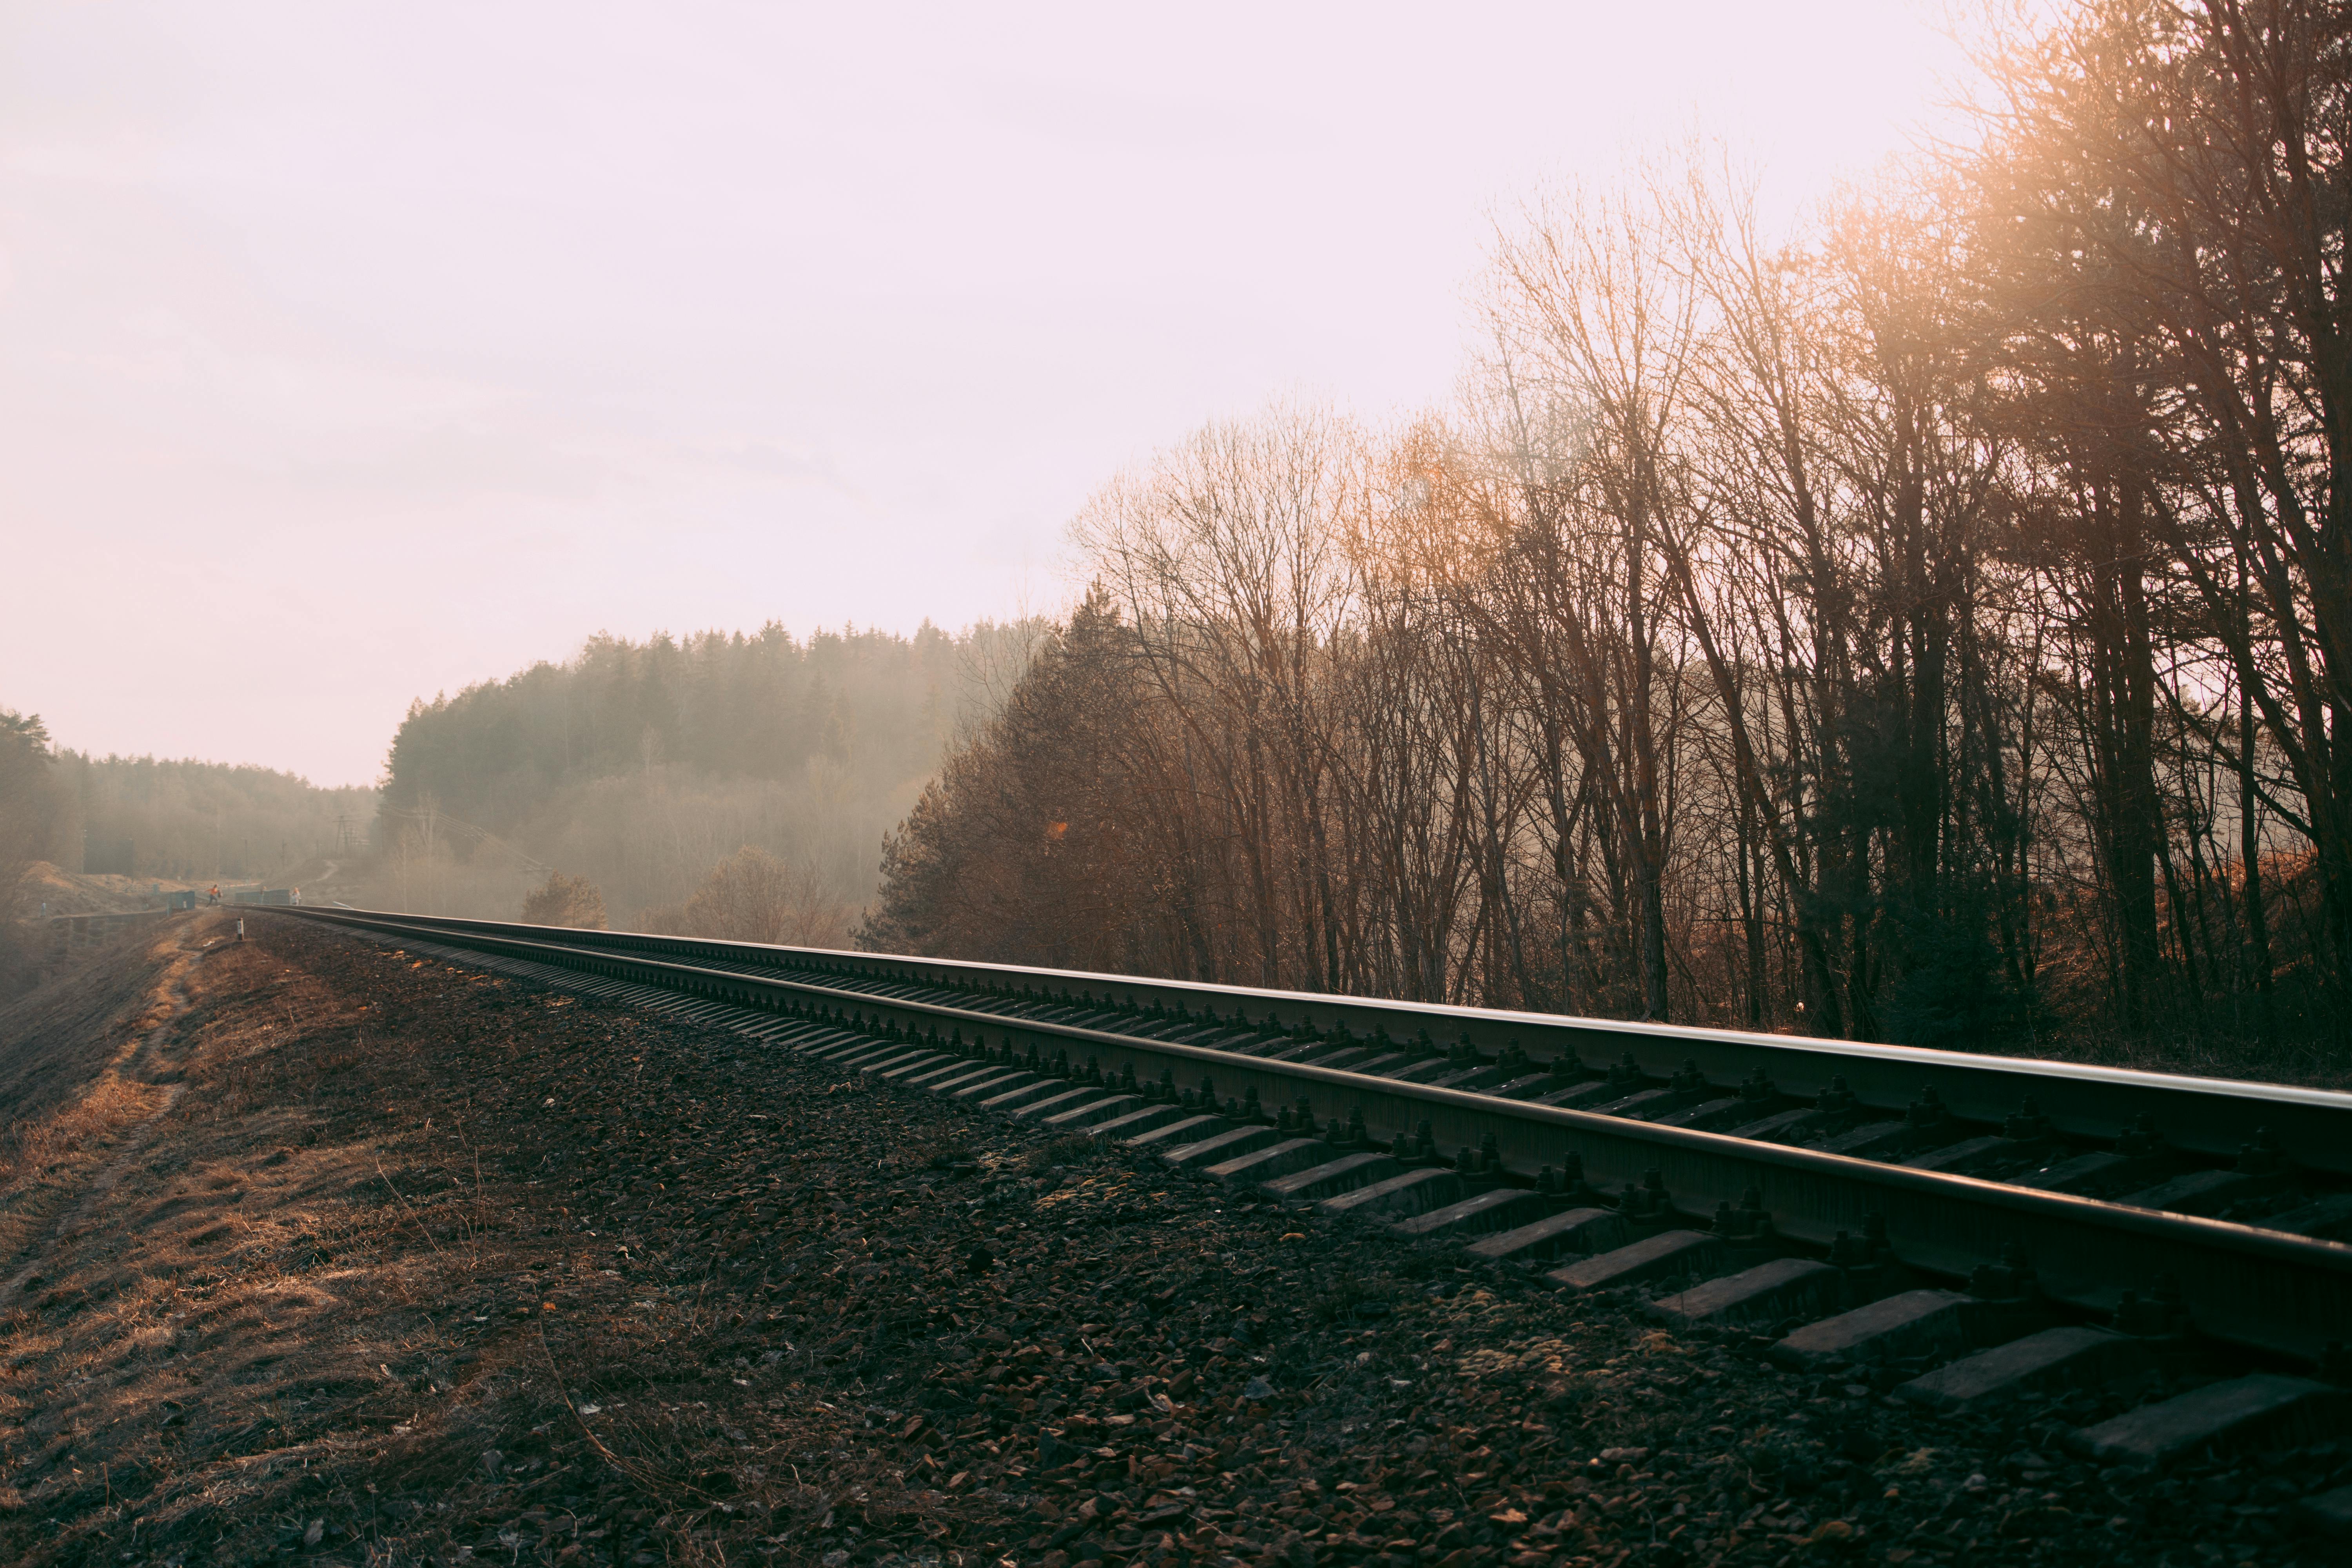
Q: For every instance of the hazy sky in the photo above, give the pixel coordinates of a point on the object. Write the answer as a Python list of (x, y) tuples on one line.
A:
[(352, 353)]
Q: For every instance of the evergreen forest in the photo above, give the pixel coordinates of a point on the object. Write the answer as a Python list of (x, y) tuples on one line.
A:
[(641, 766)]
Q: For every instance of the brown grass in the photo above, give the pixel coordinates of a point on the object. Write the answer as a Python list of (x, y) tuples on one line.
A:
[(289, 1265), (77, 1070), (57, 1039), (43, 1144)]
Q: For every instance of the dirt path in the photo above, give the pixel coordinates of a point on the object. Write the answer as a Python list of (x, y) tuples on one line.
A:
[(151, 1063)]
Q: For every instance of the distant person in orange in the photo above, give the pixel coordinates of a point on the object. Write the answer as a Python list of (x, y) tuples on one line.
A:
[(216, 894)]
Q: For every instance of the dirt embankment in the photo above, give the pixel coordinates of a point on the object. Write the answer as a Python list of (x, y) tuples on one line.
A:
[(347, 1257)]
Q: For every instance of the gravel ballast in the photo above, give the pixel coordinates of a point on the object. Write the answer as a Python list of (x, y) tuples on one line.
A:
[(635, 1292)]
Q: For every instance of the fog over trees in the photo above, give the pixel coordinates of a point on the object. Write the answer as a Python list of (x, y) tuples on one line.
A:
[(720, 784), (1935, 626), (639, 768), (178, 819), (138, 822), (168, 820)]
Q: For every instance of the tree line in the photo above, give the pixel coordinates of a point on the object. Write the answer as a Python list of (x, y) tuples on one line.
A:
[(146, 818), (639, 768), (1934, 625), (31, 806), (179, 819), (166, 818)]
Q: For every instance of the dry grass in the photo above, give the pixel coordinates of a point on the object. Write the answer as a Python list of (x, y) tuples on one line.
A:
[(57, 1039), (148, 1279), (43, 1144), (77, 1072), (323, 1284)]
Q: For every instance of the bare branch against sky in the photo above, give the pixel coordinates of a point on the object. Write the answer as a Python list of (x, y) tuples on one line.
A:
[(437, 337)]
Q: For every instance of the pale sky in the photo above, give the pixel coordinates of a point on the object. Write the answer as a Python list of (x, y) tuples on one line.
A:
[(352, 353)]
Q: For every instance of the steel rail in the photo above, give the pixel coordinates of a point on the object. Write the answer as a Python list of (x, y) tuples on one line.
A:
[(2212, 1117), (2266, 1289)]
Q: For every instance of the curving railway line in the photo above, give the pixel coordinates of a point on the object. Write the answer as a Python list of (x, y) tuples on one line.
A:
[(1952, 1228)]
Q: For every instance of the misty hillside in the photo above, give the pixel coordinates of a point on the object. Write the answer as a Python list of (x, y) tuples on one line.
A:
[(641, 765), (79, 833), (176, 818)]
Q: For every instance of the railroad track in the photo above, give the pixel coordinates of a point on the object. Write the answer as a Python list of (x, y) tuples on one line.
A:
[(1954, 1229)]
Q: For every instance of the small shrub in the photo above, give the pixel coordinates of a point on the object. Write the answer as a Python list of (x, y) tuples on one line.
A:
[(573, 901)]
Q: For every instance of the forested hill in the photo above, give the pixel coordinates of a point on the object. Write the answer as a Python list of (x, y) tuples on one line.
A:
[(640, 764), (181, 818), (760, 706)]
